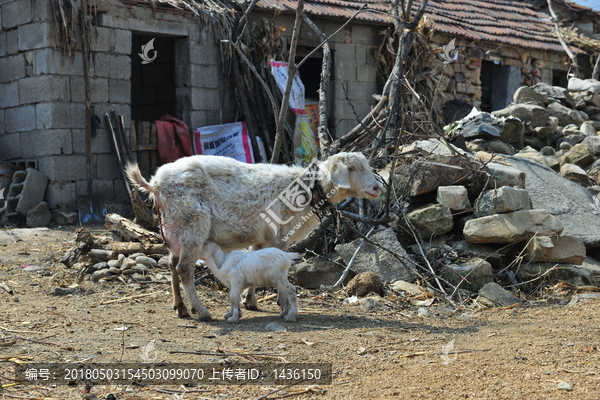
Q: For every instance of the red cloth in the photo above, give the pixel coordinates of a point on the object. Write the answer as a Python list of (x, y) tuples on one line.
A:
[(173, 138)]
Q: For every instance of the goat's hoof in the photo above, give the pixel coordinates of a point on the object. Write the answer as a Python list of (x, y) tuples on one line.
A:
[(231, 319), (289, 318), (182, 311), (249, 306), (204, 317)]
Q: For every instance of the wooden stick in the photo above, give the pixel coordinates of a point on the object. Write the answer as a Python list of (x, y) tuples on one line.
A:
[(129, 298), (288, 86), (130, 231)]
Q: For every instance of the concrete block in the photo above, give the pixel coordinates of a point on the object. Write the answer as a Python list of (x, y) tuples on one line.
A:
[(42, 10), (183, 75), (204, 54), (100, 39), (36, 36), (205, 99), (106, 167), (101, 143), (20, 119), (63, 168), (61, 195), (2, 43), (358, 90), (45, 88), (361, 54), (98, 89), (2, 128), (60, 115), (12, 42), (46, 143), (205, 76), (9, 95), (345, 70), (102, 188), (39, 216), (50, 61), (120, 41), (455, 197), (362, 34), (12, 67), (366, 73), (26, 191), (119, 91), (16, 13), (120, 67), (100, 66), (10, 146)]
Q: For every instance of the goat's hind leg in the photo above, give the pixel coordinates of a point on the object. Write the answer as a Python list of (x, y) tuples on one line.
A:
[(178, 304), (185, 268), (249, 299)]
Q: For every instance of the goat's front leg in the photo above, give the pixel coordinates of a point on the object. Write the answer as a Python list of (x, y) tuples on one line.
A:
[(249, 301), (185, 269), (178, 304), (234, 313)]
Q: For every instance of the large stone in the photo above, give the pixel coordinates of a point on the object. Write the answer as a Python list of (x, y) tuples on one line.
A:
[(512, 132), (483, 125), (593, 266), (555, 92), (570, 203), (511, 227), (562, 249), (427, 176), (431, 146), (593, 172), (505, 175), (373, 258), (553, 273), (365, 283), (525, 94), (580, 85), (534, 155), (531, 114), (579, 154), (502, 200), (576, 174), (592, 143), (454, 197), (472, 275), (493, 295), (318, 271), (432, 220), (39, 216), (499, 147), (565, 115)]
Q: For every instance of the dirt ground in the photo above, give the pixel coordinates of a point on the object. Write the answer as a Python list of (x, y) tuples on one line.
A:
[(396, 353)]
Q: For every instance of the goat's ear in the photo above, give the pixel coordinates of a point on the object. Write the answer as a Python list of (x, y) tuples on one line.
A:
[(340, 176)]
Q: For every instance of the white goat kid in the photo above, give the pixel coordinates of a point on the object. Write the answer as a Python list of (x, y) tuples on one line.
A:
[(203, 198), (239, 270)]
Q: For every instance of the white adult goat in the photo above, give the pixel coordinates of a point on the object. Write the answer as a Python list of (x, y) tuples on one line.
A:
[(237, 205), (239, 270)]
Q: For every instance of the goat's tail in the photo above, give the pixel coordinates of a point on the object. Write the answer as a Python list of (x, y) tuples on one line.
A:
[(135, 176)]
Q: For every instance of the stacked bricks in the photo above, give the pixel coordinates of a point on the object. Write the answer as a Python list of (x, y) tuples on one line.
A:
[(25, 192)]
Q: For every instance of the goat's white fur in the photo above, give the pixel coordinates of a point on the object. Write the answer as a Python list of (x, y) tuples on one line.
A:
[(218, 198), (239, 270)]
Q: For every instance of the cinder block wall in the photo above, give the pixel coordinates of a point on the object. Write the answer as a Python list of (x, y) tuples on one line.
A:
[(42, 111), (353, 67)]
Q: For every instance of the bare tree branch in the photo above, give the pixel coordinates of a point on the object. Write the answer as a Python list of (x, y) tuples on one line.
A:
[(562, 40)]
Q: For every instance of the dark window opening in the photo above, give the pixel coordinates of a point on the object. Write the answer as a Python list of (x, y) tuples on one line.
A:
[(310, 74), (559, 78), (486, 85), (153, 83)]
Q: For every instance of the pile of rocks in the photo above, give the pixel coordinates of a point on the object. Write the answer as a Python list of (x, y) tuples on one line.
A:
[(483, 218), (134, 269), (554, 126)]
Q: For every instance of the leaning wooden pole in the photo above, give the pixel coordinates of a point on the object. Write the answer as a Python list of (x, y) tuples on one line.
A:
[(288, 86)]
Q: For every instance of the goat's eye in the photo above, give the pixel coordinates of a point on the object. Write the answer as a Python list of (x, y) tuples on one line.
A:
[(351, 169)]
